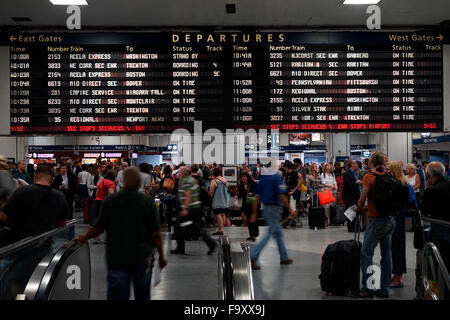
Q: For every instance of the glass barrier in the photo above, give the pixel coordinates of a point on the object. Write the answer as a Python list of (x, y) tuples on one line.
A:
[(19, 260)]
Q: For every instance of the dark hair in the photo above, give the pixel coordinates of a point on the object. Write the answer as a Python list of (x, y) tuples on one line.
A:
[(44, 169), (217, 172), (144, 167), (194, 168), (150, 167), (348, 164), (290, 165), (378, 160), (298, 160), (111, 175), (84, 166), (246, 174), (167, 171)]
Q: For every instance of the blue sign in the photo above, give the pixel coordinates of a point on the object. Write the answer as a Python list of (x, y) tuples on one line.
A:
[(363, 147), (438, 139)]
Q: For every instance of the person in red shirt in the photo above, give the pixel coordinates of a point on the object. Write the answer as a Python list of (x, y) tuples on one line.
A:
[(105, 186), (340, 184)]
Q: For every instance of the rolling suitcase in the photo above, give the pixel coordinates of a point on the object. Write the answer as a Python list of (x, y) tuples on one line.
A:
[(340, 266), (337, 216), (316, 214)]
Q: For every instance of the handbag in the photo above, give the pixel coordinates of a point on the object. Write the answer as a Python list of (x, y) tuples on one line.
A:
[(249, 199), (326, 197)]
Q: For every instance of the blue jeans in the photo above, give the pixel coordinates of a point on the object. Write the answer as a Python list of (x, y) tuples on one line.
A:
[(379, 231), (272, 215), (119, 282)]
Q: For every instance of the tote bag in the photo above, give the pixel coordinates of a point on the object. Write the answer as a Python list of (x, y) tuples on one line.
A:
[(326, 197)]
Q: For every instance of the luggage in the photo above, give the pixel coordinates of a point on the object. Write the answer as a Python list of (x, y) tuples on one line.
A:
[(316, 214), (341, 266), (337, 216)]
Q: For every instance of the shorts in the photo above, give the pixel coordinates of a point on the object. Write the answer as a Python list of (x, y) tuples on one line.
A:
[(303, 196), (220, 211)]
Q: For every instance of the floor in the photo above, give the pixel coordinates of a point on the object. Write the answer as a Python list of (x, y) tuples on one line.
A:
[(194, 276)]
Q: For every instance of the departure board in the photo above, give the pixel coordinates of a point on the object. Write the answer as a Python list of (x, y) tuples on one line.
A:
[(102, 83)]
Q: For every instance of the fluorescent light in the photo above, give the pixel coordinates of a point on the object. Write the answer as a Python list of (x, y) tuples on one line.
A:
[(69, 2), (361, 1)]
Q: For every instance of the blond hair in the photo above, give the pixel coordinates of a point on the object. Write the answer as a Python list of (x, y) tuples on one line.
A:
[(412, 167), (313, 172), (396, 169)]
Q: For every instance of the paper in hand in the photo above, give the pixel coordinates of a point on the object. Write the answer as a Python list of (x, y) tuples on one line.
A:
[(156, 274), (351, 213)]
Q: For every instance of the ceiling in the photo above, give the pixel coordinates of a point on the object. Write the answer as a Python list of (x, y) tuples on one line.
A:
[(131, 14)]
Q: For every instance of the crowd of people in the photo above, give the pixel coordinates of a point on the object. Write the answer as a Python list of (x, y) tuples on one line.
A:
[(132, 204)]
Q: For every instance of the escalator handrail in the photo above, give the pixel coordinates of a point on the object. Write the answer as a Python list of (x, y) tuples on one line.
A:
[(26, 242), (441, 266), (227, 268), (53, 268), (246, 252), (436, 221)]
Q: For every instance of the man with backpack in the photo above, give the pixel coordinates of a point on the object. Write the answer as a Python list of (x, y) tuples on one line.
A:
[(190, 216), (385, 199)]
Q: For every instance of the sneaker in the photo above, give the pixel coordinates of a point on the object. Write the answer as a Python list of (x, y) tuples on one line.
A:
[(255, 266), (381, 294), (177, 251), (285, 262), (360, 294)]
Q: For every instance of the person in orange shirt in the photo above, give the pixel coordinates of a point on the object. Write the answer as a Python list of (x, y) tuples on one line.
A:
[(379, 231)]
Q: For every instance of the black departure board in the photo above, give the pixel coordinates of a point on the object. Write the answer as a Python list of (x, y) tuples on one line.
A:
[(102, 83)]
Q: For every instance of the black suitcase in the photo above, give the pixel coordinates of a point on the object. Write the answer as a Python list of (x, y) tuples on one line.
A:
[(337, 216), (340, 267), (316, 214)]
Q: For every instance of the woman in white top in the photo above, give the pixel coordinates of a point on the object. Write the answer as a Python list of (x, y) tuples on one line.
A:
[(328, 181), (413, 179)]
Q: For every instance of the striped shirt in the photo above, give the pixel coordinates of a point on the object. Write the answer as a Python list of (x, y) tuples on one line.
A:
[(185, 184)]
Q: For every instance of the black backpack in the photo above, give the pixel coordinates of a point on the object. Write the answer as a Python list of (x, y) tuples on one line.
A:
[(389, 195)]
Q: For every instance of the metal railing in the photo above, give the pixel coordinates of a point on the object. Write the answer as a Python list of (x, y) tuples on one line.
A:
[(226, 285), (432, 220), (56, 278), (235, 271), (441, 278), (29, 241)]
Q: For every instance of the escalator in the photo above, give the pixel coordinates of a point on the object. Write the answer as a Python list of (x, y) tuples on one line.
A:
[(235, 272), (47, 266), (433, 279)]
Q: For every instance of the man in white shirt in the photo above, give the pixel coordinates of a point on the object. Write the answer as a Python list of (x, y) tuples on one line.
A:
[(83, 192), (120, 176), (146, 183)]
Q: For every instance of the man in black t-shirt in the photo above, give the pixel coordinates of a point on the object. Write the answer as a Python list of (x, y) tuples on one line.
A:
[(35, 208), (132, 230)]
